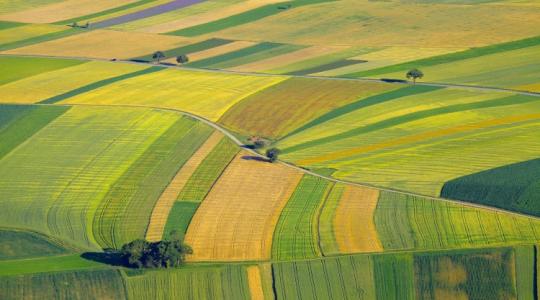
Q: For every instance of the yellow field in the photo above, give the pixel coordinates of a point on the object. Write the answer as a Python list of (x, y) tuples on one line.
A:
[(27, 31), (255, 283), (393, 23), (388, 56), (535, 87), (105, 44), (45, 85), (353, 223), (289, 58), (207, 94), (236, 221), (214, 51), (62, 11), (165, 202), (207, 17)]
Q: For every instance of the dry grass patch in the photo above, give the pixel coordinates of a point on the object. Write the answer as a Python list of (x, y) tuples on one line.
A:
[(103, 44), (354, 227), (255, 283), (63, 10), (166, 200), (236, 221)]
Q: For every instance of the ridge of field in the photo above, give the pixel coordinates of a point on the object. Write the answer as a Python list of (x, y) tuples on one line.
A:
[(125, 211), (353, 223), (472, 274), (237, 218), (514, 187), (19, 244), (111, 44), (26, 122), (296, 233), (221, 282), (198, 185), (244, 55), (186, 49), (394, 276), (108, 13), (164, 204), (16, 68), (347, 277), (54, 181), (382, 24), (11, 6), (145, 13), (453, 57), (516, 69), (161, 89), (101, 284), (277, 110), (175, 15), (243, 18), (18, 33), (413, 222), (204, 17), (63, 10), (46, 85), (388, 156)]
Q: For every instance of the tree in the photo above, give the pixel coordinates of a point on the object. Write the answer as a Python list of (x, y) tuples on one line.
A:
[(157, 56), (257, 142), (414, 74), (272, 154), (182, 59)]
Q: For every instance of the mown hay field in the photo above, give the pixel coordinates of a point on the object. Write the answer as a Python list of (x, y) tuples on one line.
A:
[(111, 44), (237, 218), (160, 89), (412, 222), (279, 109), (43, 86), (296, 233), (71, 163)]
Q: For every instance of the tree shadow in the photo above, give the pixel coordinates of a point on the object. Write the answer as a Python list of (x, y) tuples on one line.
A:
[(255, 158), (109, 258)]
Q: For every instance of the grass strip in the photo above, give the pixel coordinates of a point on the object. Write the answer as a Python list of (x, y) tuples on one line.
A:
[(40, 39), (325, 67), (8, 24), (221, 59), (366, 102), (180, 216), (196, 47), (451, 57), (103, 13), (98, 84), (46, 264), (505, 101), (26, 124), (243, 18)]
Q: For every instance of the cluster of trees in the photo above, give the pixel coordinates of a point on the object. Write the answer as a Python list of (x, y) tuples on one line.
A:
[(259, 143), (159, 55), (163, 254), (76, 25)]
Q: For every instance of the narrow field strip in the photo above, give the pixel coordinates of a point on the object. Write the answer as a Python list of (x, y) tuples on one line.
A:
[(237, 219), (498, 102), (164, 204), (296, 233), (255, 283), (125, 211), (420, 137), (18, 33), (46, 264), (53, 86), (12, 6), (17, 68), (99, 84), (283, 49), (48, 37), (88, 17), (354, 224), (29, 120), (7, 25), (243, 18), (188, 49), (145, 13), (394, 276), (220, 50), (327, 235), (326, 67), (222, 61)]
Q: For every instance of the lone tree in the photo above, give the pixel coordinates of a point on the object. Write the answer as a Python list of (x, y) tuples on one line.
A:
[(272, 154), (182, 59), (163, 254), (157, 56), (414, 74)]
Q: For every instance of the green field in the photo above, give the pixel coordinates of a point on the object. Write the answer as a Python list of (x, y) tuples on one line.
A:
[(24, 244)]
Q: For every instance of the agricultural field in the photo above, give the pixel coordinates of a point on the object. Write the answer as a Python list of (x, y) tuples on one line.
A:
[(269, 149)]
